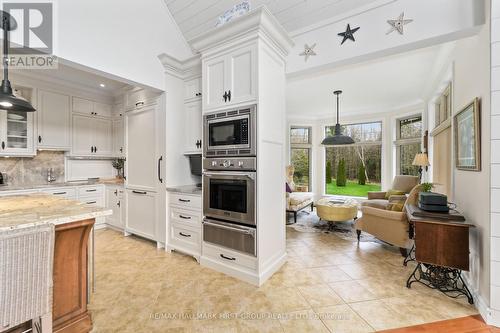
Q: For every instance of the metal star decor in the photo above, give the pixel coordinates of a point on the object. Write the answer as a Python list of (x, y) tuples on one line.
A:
[(348, 34), (308, 51), (398, 24)]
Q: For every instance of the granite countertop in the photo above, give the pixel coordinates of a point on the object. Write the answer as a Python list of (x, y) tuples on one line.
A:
[(20, 211), (186, 189), (111, 181)]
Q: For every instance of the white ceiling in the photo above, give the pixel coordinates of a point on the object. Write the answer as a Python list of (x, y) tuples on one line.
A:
[(382, 85), (197, 16)]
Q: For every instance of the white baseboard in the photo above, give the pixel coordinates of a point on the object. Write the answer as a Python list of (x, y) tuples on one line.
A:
[(493, 318), (272, 267), (488, 315), (238, 273)]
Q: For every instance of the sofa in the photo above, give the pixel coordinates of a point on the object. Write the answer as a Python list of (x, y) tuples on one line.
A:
[(390, 226), (296, 200)]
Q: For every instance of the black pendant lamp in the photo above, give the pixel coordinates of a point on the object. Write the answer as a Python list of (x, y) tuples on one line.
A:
[(8, 101), (337, 138)]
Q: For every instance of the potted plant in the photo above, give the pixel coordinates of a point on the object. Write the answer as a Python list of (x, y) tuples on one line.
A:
[(118, 164), (427, 187)]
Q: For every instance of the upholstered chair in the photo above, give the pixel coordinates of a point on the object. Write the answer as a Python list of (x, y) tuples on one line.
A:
[(401, 183), (295, 200)]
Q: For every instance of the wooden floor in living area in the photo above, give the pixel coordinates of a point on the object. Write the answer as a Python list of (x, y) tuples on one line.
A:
[(469, 324)]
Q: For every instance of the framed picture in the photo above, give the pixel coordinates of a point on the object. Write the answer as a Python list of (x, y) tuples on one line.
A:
[(468, 137)]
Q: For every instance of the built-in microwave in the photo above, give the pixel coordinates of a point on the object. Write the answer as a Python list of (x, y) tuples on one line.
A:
[(230, 133)]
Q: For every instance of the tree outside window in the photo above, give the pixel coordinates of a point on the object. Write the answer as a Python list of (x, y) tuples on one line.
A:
[(408, 144), (300, 157)]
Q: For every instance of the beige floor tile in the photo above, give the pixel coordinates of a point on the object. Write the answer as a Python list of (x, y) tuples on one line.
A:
[(380, 316), (302, 322), (286, 300), (420, 309), (352, 291), (331, 274), (320, 295), (342, 319)]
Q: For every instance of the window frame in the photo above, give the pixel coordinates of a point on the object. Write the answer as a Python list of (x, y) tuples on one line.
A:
[(307, 146), (398, 142)]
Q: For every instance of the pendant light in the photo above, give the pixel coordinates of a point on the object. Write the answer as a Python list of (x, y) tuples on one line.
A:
[(8, 101), (337, 138)]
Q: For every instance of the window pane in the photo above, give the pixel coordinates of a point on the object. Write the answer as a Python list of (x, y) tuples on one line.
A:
[(406, 155), (301, 163), (299, 135), (410, 128), (354, 156), (366, 132)]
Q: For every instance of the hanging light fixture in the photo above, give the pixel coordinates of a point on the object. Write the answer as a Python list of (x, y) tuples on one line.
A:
[(337, 138), (8, 101)]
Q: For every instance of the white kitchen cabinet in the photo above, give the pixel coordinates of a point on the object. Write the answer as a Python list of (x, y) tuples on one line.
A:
[(54, 120), (193, 127), (16, 133), (82, 106), (115, 200), (141, 213), (118, 110), (118, 137), (137, 98), (142, 164), (192, 89), (230, 79), (102, 110), (91, 136)]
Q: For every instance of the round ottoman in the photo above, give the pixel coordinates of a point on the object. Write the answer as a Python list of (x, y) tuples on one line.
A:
[(337, 210)]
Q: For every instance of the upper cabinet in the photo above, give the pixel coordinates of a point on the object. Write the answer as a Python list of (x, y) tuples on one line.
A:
[(91, 136), (118, 137), (192, 127), (91, 108), (16, 129), (230, 79), (192, 89), (54, 120), (138, 97)]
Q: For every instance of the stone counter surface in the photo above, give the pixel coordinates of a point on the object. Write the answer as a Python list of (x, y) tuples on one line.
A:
[(38, 186), (186, 189), (20, 211)]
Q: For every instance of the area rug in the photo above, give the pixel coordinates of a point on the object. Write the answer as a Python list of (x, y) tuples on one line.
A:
[(310, 222)]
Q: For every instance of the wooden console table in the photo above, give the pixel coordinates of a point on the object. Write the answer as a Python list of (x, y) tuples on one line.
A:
[(441, 251)]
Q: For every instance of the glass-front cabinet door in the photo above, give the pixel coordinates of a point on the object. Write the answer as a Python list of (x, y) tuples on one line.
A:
[(16, 133)]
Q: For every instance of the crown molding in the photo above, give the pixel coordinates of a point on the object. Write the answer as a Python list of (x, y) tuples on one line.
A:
[(182, 69), (259, 21)]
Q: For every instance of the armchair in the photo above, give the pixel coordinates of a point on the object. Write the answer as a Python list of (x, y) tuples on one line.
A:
[(387, 225), (401, 183), (296, 200)]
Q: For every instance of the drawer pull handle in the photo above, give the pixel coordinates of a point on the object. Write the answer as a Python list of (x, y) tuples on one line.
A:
[(91, 190), (139, 192), (59, 193), (184, 235), (227, 258), (184, 200), (91, 202), (185, 217)]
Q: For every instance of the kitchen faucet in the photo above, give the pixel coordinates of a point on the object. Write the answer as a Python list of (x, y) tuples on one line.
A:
[(50, 176)]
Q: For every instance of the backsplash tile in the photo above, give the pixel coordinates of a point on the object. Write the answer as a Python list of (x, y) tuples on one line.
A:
[(33, 170)]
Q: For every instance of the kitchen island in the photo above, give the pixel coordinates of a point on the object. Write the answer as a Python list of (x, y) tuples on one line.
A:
[(73, 223)]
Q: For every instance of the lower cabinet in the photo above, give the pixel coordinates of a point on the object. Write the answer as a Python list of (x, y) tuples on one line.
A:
[(184, 221), (141, 213), (93, 196), (115, 200)]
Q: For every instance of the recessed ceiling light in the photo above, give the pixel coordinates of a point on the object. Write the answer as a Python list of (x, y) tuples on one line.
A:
[(102, 85)]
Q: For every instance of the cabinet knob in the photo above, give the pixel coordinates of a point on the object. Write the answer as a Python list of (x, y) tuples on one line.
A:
[(229, 95), (39, 139), (3, 144), (225, 96)]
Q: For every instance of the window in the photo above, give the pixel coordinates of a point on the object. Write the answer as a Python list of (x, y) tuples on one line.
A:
[(300, 157), (364, 156), (443, 106), (408, 144)]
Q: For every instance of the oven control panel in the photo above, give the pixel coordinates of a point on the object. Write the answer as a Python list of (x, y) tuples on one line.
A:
[(236, 163)]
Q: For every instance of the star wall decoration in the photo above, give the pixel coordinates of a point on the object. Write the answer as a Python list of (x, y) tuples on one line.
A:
[(308, 51), (348, 34), (398, 24)]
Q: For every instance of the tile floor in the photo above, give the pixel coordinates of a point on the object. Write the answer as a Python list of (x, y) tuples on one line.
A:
[(328, 285)]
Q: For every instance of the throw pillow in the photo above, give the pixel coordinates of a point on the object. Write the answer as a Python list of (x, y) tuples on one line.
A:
[(287, 188), (395, 207), (392, 192)]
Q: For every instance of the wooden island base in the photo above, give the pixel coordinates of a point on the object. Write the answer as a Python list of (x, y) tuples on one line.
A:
[(69, 311)]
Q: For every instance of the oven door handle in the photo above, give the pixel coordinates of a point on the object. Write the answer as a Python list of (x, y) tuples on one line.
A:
[(231, 174), (247, 231)]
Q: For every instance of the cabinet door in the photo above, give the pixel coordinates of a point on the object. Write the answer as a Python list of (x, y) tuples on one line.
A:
[(102, 110), (192, 126), (113, 203), (16, 133), (192, 89), (141, 213), (54, 120), (140, 143), (103, 137), (83, 129), (118, 137), (83, 106), (242, 74), (214, 74)]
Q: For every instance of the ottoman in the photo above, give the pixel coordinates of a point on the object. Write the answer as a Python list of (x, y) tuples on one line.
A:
[(336, 210)]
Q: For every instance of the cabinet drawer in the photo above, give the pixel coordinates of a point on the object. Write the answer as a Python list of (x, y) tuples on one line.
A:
[(68, 193), (228, 257), (90, 191), (186, 217), (186, 201), (184, 237)]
